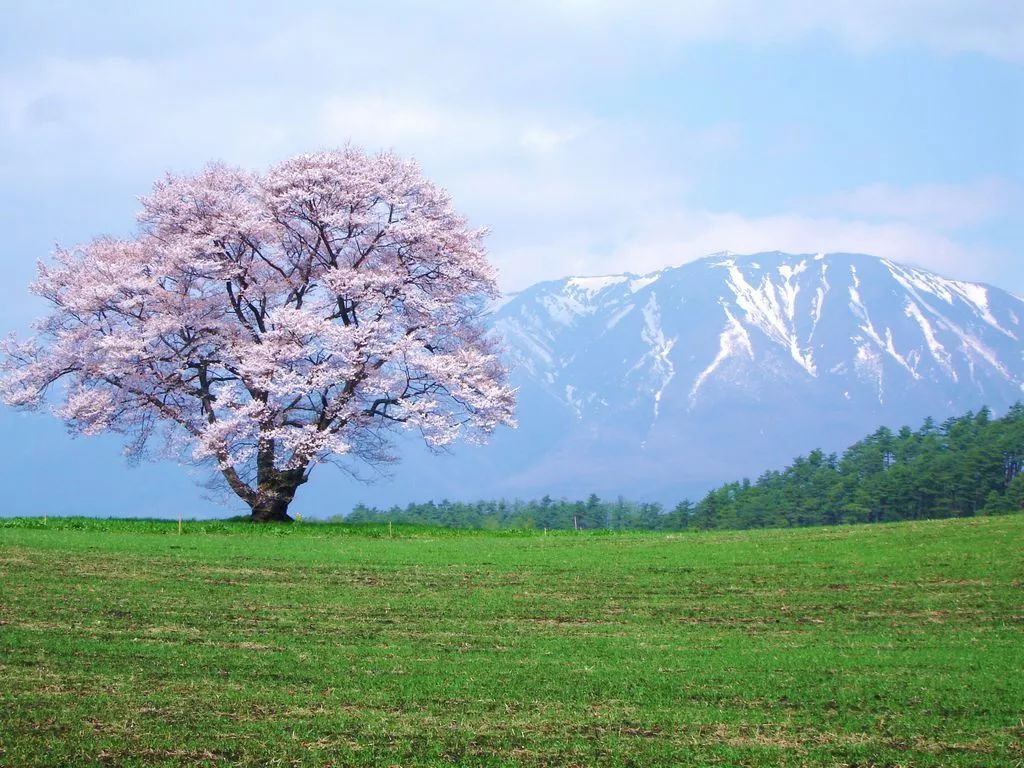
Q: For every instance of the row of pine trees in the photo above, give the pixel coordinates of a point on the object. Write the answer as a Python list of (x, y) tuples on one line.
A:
[(965, 466)]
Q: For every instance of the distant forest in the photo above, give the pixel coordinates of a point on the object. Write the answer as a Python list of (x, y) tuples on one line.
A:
[(965, 466)]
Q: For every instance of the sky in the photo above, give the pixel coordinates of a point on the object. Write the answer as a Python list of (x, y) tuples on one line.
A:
[(589, 137)]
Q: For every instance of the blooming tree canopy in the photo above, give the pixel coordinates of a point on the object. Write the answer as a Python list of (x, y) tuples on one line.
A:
[(268, 323)]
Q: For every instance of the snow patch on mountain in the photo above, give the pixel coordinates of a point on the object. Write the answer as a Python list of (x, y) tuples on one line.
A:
[(935, 347), (975, 296), (659, 350), (732, 342), (868, 365), (574, 402), (770, 310), (590, 286), (639, 283), (618, 315), (818, 304)]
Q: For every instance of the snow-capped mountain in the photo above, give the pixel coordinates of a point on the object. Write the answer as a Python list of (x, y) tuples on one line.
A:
[(733, 364), (851, 325), (664, 385)]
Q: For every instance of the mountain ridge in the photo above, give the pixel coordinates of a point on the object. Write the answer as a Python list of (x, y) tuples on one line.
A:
[(757, 357), (771, 308)]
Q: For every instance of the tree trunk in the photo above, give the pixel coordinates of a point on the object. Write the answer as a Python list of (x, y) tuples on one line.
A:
[(273, 510), (273, 495)]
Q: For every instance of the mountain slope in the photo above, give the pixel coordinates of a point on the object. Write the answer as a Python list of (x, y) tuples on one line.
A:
[(689, 376)]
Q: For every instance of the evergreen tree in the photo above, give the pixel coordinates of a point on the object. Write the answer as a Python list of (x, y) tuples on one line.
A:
[(968, 465)]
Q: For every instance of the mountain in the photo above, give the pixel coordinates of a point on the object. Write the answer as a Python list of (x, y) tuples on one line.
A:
[(661, 386), (733, 364)]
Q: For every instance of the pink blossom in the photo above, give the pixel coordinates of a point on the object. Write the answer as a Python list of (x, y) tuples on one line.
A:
[(271, 323)]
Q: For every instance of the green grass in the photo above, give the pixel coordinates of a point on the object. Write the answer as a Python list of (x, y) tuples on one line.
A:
[(122, 643)]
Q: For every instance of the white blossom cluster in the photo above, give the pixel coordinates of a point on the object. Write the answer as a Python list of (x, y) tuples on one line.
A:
[(271, 322)]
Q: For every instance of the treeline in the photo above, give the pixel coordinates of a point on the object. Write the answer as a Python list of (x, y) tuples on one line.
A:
[(549, 513), (969, 465)]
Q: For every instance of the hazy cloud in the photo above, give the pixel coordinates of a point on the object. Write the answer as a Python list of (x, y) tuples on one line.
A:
[(522, 110), (676, 237), (942, 206), (989, 27)]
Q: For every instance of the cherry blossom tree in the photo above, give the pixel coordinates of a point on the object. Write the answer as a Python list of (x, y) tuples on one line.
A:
[(270, 323)]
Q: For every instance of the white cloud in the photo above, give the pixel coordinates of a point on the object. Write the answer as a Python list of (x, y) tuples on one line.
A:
[(564, 187), (544, 139), (990, 27), (673, 237), (692, 234), (562, 193), (412, 122), (112, 117), (942, 206)]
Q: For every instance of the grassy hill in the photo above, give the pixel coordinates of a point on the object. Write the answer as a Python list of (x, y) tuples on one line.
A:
[(123, 643)]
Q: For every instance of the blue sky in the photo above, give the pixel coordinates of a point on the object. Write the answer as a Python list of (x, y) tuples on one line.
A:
[(590, 137)]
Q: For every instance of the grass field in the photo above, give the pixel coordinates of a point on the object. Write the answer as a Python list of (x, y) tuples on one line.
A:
[(895, 645)]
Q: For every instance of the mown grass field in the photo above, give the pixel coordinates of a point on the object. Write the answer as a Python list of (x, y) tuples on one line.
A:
[(894, 645)]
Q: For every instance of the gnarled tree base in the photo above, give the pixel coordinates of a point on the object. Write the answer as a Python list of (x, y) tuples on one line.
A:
[(274, 491), (266, 517), (271, 514)]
